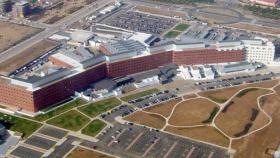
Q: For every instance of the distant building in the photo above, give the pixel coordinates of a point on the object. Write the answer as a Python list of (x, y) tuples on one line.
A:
[(5, 6), (235, 68), (21, 9), (259, 50), (272, 3)]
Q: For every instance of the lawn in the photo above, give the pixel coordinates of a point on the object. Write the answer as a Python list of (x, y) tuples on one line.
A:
[(164, 108), (150, 120), (172, 34), (59, 110), (222, 95), (72, 120), (24, 126), (94, 128), (237, 120), (257, 143), (94, 109), (207, 134), (138, 95), (181, 27), (192, 112), (245, 91)]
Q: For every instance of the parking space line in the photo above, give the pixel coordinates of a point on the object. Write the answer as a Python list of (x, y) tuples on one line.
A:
[(116, 138), (12, 156), (170, 149), (190, 152), (150, 148), (134, 141), (47, 137), (211, 154), (34, 147)]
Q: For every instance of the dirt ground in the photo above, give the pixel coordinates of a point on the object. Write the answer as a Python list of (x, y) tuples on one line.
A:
[(149, 120), (192, 112), (11, 34), (255, 28), (84, 153), (207, 134), (240, 112), (159, 11), (256, 144), (59, 11), (26, 56), (189, 96), (164, 108), (225, 94)]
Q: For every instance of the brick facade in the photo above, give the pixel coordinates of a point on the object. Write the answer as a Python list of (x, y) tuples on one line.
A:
[(64, 88)]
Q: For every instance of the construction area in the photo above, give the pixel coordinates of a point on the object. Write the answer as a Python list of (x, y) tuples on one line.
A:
[(34, 52), (11, 34), (59, 10)]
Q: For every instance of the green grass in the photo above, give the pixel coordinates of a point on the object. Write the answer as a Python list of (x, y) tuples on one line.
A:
[(71, 120), (17, 124), (94, 128), (212, 115), (94, 109), (218, 100), (266, 12), (172, 34), (59, 110), (138, 95), (181, 27), (245, 91)]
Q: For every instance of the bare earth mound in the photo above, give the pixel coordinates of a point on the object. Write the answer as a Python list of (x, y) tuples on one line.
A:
[(243, 111), (164, 108), (192, 112), (207, 134), (150, 120)]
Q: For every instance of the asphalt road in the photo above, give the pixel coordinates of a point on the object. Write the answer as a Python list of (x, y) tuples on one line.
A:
[(61, 25)]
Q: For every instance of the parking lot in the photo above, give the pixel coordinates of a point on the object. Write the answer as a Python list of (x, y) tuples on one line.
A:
[(40, 142), (43, 142), (64, 148), (121, 110), (234, 81), (203, 33), (153, 99), (137, 141), (140, 22), (52, 132)]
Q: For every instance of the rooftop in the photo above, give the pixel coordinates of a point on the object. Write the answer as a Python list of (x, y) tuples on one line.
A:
[(124, 46)]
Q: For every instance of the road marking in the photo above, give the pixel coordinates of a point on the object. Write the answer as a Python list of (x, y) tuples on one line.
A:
[(134, 141), (150, 148), (211, 154), (34, 147), (116, 138), (170, 150), (190, 152), (47, 137)]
